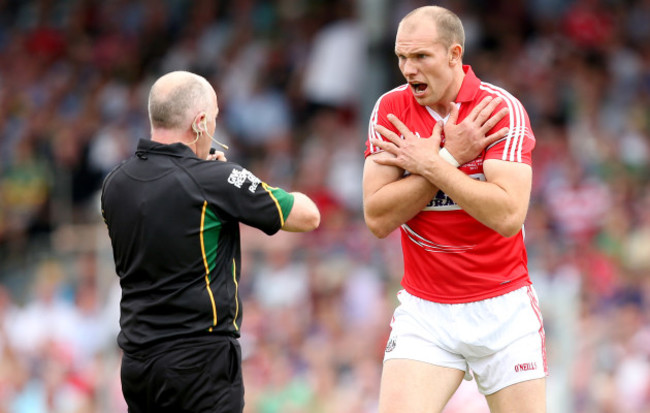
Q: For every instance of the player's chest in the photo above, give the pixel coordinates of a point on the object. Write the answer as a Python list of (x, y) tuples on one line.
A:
[(422, 124)]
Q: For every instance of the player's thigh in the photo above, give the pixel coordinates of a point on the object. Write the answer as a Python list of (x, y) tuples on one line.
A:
[(416, 386), (524, 397)]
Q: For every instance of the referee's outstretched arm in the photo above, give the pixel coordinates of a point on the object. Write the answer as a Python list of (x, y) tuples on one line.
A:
[(304, 215)]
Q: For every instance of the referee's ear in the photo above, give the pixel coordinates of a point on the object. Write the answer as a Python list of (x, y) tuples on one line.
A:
[(196, 124)]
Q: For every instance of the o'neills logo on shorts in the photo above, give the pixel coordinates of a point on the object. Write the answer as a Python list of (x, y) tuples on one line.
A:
[(525, 367)]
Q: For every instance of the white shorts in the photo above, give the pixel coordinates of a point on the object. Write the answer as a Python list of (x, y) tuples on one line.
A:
[(501, 339)]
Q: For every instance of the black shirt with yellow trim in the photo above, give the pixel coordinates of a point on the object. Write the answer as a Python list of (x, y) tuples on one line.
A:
[(173, 220)]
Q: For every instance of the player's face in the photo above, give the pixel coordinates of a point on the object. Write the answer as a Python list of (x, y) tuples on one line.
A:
[(425, 63)]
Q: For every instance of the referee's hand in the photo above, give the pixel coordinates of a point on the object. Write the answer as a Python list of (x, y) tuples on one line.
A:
[(216, 155)]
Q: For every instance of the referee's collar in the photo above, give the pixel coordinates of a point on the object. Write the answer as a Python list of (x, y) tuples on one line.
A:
[(175, 149), (469, 87)]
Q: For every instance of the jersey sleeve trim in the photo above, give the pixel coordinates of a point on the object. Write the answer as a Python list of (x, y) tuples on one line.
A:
[(518, 125), (383, 107), (283, 201)]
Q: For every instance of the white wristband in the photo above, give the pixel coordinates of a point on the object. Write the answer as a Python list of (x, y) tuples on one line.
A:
[(444, 154)]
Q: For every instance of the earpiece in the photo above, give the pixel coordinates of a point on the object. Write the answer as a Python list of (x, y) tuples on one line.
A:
[(198, 132), (204, 124)]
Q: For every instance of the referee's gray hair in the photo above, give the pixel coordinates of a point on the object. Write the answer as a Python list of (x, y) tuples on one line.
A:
[(176, 97), (449, 25)]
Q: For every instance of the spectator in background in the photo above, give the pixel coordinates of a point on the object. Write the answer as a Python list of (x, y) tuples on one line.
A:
[(111, 52), (335, 68)]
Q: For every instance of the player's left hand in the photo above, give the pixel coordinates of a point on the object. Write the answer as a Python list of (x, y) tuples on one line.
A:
[(410, 152)]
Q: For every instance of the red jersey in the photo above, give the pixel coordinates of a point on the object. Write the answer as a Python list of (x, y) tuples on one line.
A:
[(450, 257)]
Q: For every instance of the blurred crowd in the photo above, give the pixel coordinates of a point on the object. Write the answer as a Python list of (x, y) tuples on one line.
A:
[(296, 81)]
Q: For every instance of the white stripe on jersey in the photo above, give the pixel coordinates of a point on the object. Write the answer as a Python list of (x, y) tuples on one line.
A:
[(517, 128), (431, 246), (373, 119)]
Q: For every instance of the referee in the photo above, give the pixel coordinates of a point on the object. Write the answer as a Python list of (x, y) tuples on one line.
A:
[(173, 212)]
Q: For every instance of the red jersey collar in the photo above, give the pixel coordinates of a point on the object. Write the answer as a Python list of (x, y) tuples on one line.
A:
[(469, 87)]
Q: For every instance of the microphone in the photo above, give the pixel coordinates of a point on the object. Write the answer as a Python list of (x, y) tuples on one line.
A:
[(198, 132), (224, 146)]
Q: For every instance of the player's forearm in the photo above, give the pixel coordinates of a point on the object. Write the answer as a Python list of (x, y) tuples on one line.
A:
[(501, 208), (395, 203), (489, 204)]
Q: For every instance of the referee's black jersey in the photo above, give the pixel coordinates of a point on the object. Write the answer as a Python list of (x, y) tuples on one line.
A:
[(173, 220)]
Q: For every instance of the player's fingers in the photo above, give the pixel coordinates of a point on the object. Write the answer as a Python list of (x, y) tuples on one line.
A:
[(406, 132), (387, 134), (485, 113), (385, 161), (474, 114), (453, 113), (383, 145), (492, 122), (500, 134)]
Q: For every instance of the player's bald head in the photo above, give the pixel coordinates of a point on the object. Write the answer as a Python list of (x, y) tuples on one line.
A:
[(175, 98), (448, 25)]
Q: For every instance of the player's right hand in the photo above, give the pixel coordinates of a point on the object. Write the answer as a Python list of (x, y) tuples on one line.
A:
[(466, 140)]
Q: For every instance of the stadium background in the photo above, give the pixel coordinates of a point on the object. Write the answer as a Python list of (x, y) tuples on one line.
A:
[(296, 81)]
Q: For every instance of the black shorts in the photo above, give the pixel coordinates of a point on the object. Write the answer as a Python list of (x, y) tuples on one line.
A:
[(196, 377)]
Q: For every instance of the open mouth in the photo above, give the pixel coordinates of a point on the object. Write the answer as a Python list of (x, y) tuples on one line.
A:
[(418, 88)]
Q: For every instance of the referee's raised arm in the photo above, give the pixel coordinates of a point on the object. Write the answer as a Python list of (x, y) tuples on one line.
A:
[(304, 215)]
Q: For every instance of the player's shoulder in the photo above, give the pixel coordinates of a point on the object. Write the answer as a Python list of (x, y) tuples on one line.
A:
[(486, 89), (400, 95)]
